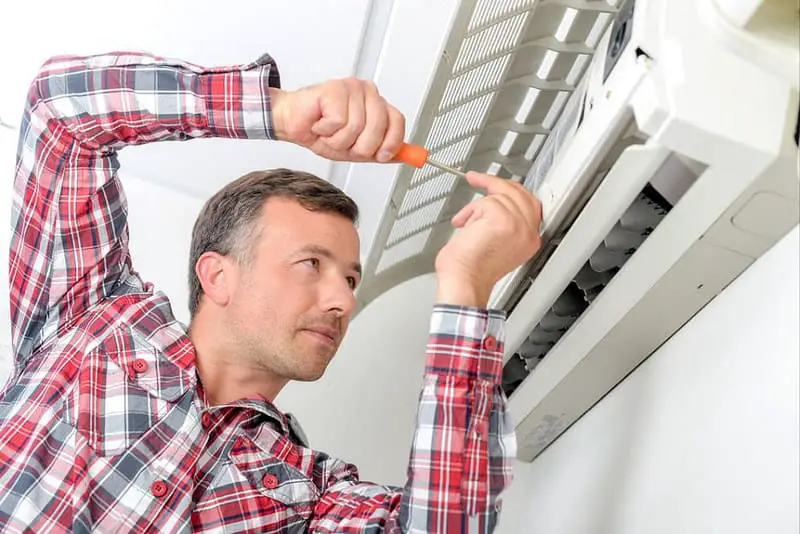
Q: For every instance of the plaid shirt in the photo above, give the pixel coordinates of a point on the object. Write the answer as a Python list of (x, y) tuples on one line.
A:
[(104, 425)]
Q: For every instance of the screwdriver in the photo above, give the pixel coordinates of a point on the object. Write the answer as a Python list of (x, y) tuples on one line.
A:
[(417, 156)]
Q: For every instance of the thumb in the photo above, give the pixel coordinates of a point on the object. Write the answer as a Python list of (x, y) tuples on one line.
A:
[(325, 127), (332, 102)]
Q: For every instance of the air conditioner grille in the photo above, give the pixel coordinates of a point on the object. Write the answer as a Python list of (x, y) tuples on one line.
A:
[(455, 124), (493, 11), (494, 40), (437, 187), (506, 76), (473, 82), (424, 217)]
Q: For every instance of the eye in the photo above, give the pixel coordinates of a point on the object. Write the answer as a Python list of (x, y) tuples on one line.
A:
[(312, 262), (352, 281)]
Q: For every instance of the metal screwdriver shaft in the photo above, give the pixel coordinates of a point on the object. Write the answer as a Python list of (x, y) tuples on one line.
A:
[(446, 168), (417, 156)]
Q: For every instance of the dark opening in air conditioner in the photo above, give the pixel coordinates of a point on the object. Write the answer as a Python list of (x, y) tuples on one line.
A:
[(628, 234)]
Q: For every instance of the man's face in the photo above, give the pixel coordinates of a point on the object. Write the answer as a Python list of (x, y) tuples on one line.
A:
[(290, 308)]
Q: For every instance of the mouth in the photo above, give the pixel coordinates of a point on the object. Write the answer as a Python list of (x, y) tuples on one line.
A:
[(327, 336)]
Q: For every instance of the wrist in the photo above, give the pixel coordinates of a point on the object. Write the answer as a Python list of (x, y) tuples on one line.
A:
[(278, 113), (462, 292)]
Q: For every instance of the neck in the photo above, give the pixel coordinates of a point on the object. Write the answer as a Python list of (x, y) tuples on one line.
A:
[(228, 375)]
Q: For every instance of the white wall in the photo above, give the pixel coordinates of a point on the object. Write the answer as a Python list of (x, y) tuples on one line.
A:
[(702, 438)]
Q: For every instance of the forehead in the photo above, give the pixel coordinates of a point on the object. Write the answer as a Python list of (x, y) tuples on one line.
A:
[(284, 221)]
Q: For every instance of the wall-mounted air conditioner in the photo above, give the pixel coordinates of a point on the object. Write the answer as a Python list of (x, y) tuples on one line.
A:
[(661, 136)]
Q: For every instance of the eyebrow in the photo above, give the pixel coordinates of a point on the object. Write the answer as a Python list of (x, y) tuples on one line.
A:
[(322, 251)]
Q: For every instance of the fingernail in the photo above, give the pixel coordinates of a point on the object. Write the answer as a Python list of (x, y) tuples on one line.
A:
[(384, 156)]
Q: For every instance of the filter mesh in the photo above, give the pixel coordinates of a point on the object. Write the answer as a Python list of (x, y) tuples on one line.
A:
[(491, 11), (422, 218), (497, 38)]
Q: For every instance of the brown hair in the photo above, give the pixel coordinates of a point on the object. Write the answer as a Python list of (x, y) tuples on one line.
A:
[(227, 224)]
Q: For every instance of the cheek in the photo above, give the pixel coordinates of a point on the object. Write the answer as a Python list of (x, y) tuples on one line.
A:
[(278, 298), (253, 293)]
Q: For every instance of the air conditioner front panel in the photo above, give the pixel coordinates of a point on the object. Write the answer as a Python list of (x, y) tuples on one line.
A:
[(725, 210)]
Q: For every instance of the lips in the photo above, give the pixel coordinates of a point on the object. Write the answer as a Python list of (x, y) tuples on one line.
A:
[(330, 334)]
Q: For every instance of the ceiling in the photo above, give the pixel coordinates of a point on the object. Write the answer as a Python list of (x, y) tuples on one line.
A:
[(312, 41)]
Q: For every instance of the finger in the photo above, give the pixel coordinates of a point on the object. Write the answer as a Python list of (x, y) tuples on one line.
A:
[(522, 205), (333, 103), (508, 205), (376, 123), (488, 182), (537, 211), (494, 184), (395, 134), (529, 206), (464, 215), (346, 137), (478, 208)]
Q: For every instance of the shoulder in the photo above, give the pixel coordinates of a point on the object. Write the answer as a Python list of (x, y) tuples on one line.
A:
[(142, 323)]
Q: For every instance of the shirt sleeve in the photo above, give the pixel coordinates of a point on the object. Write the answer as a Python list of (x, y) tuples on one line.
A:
[(69, 241), (463, 448)]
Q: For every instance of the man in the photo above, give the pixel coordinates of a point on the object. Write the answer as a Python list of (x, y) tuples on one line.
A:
[(117, 419)]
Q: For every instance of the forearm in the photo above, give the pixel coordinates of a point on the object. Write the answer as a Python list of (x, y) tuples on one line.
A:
[(113, 100), (464, 442), (463, 447)]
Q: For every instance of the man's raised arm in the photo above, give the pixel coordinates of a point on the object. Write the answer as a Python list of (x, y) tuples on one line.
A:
[(69, 242)]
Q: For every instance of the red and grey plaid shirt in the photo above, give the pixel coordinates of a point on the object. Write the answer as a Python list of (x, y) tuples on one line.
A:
[(104, 425)]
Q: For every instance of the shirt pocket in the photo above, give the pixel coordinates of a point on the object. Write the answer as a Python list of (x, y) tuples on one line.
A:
[(121, 396), (275, 479)]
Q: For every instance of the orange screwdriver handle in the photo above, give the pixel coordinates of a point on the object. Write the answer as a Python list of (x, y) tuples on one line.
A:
[(414, 155)]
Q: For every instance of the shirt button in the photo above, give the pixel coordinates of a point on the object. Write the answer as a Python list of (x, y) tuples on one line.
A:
[(158, 488), (490, 343), (139, 365), (205, 420), (270, 481)]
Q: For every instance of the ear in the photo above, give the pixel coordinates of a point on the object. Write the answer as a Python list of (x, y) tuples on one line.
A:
[(212, 270)]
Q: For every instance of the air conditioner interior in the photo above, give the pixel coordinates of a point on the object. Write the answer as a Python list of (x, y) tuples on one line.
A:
[(644, 214)]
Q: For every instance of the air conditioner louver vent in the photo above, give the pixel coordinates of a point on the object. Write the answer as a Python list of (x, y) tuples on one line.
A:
[(628, 234)]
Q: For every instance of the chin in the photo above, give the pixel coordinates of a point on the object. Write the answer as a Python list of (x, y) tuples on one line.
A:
[(312, 370), (309, 376)]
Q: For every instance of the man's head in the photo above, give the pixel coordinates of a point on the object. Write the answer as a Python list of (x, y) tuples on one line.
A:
[(273, 266)]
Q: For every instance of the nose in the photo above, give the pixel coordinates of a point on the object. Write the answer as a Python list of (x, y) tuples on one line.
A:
[(337, 295)]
